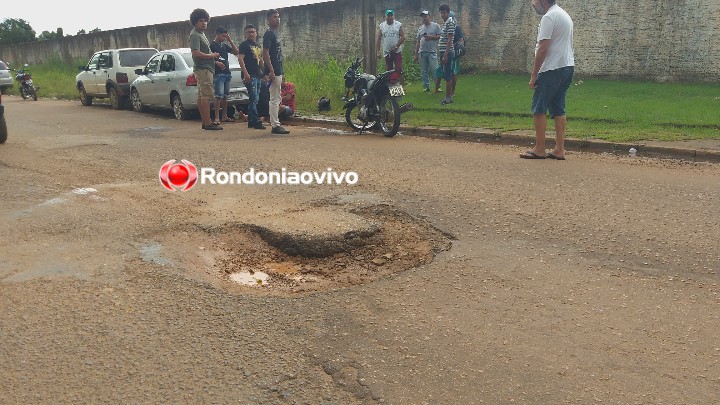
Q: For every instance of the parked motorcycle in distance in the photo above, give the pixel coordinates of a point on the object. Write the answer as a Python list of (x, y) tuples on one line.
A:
[(25, 84), (373, 101)]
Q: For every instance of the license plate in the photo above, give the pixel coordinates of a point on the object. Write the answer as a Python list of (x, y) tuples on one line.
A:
[(397, 90), (234, 96)]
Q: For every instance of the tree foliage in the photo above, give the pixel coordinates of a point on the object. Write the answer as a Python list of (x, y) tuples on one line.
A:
[(15, 31), (50, 35)]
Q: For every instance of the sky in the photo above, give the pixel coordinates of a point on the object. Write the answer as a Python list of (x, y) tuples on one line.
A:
[(74, 15)]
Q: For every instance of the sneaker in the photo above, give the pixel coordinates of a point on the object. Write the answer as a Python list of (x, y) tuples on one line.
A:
[(259, 125), (280, 130), (446, 100), (212, 127)]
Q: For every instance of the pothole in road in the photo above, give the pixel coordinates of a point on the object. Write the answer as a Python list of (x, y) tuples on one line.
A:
[(286, 258)]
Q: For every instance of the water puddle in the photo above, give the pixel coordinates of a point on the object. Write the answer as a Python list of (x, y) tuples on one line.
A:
[(84, 191), (256, 279)]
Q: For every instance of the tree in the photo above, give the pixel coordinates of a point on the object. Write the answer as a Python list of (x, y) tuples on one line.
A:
[(81, 32), (50, 35), (15, 31)]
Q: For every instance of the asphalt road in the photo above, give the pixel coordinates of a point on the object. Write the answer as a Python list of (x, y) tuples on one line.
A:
[(494, 279)]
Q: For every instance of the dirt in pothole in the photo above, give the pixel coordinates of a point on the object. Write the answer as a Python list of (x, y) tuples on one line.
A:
[(236, 258)]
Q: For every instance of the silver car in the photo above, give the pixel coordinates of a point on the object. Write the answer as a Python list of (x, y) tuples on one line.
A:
[(168, 82), (6, 78)]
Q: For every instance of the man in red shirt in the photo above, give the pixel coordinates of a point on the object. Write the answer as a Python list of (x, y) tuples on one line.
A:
[(287, 104)]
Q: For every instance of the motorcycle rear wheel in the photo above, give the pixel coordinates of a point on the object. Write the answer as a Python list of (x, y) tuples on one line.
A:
[(389, 120), (351, 117)]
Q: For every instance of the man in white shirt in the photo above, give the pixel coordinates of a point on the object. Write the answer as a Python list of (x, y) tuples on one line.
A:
[(551, 76), (389, 43)]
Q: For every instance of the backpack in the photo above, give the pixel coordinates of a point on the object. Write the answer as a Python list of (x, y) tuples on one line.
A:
[(460, 49)]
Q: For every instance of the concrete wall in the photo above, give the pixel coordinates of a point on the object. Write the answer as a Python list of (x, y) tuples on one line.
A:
[(670, 40)]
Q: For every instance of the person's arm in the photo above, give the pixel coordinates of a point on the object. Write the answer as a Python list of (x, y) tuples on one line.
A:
[(448, 48), (417, 48), (246, 74), (234, 49), (400, 42), (268, 63), (540, 56)]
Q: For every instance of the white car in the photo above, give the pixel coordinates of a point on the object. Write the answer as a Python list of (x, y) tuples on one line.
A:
[(109, 73), (168, 82), (6, 78)]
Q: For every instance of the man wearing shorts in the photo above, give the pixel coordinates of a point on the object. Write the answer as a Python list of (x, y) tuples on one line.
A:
[(551, 76), (223, 75), (203, 65), (446, 53)]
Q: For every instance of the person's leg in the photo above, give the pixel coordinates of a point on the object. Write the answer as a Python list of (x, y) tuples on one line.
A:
[(424, 64), (275, 99), (226, 93), (398, 66), (447, 70), (432, 66), (205, 94), (218, 89), (560, 128), (539, 122), (254, 93)]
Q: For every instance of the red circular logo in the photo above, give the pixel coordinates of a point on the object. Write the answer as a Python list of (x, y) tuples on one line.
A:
[(181, 176)]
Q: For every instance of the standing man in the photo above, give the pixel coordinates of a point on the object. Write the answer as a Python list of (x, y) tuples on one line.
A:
[(221, 81), (446, 53), (203, 65), (426, 48), (391, 36), (251, 63), (272, 54), (551, 76)]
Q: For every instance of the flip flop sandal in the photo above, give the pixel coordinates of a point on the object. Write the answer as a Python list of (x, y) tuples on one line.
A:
[(551, 156), (228, 120), (531, 155)]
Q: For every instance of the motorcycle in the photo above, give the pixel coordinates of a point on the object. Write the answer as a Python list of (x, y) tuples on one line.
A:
[(373, 101), (25, 84)]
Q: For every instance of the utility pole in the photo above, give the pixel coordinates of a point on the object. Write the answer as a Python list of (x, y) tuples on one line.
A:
[(369, 29)]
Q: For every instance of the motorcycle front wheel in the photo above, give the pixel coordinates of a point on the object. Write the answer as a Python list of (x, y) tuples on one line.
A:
[(33, 93), (22, 93), (389, 119), (351, 117)]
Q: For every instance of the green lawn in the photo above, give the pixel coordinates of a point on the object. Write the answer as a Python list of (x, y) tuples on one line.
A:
[(613, 110)]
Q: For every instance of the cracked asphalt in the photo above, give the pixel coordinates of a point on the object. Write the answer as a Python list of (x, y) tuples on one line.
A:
[(591, 280)]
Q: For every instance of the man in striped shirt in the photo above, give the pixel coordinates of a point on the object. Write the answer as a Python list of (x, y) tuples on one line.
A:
[(446, 53)]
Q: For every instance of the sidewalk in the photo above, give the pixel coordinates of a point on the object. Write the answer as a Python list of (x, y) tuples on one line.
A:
[(695, 150)]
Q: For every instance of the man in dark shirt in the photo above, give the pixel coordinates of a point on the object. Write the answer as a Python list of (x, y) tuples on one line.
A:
[(272, 54), (251, 63), (221, 79)]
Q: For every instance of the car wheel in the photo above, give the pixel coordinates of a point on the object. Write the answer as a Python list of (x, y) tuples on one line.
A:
[(135, 102), (84, 98), (180, 112), (115, 100)]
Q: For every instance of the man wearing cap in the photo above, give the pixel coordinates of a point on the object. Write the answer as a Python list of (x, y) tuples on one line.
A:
[(391, 37), (221, 79), (426, 48)]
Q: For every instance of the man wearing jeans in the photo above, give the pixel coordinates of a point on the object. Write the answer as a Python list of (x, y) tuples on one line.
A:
[(426, 48), (272, 54), (251, 62), (221, 80), (551, 76)]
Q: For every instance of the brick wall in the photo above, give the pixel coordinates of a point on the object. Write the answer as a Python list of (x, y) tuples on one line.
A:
[(670, 40)]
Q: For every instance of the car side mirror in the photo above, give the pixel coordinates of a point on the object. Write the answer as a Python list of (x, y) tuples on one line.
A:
[(139, 71)]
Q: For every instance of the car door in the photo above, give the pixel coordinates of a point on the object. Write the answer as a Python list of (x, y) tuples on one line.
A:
[(148, 87), (165, 78), (101, 74), (89, 76)]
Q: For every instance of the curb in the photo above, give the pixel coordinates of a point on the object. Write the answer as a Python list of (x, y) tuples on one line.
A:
[(522, 138)]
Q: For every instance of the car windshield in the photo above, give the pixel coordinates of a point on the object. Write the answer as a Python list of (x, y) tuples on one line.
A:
[(3, 66), (135, 57)]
